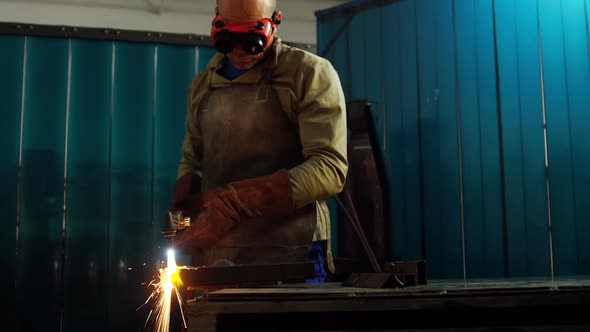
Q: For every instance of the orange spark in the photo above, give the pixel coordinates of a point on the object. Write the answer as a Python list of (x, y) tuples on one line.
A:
[(164, 289)]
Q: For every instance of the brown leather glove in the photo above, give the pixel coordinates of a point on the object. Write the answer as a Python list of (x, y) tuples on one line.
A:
[(214, 213), (185, 186)]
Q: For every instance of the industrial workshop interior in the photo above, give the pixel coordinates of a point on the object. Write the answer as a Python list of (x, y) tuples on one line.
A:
[(301, 165)]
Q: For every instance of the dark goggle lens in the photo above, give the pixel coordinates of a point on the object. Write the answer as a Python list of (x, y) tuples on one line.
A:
[(224, 46), (252, 44)]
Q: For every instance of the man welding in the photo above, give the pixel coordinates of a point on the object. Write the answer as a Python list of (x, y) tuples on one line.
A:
[(265, 146)]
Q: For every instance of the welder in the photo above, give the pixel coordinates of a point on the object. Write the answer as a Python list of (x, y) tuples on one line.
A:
[(265, 146)]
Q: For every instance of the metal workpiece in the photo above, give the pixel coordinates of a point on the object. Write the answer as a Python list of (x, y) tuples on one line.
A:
[(228, 275)]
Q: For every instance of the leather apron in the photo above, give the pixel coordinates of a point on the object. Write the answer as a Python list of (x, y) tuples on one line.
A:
[(247, 134)]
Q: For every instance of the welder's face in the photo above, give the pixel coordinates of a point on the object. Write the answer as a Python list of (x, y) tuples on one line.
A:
[(244, 11), (243, 60)]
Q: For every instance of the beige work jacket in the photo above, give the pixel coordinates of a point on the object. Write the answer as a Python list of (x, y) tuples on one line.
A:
[(311, 95)]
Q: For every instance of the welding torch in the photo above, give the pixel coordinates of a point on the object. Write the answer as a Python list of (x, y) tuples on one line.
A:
[(175, 221)]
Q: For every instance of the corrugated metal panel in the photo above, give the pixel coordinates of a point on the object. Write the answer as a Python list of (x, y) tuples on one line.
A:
[(438, 115), (131, 177), (403, 134), (174, 64), (521, 109), (477, 102), (102, 128), (40, 242), (566, 74), (88, 186), (11, 67), (577, 71), (484, 114)]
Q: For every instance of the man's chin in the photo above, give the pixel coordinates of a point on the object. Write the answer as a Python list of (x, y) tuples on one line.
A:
[(243, 63), (244, 66)]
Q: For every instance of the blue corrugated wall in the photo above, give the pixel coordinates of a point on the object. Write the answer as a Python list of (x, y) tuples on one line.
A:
[(483, 114), (90, 137)]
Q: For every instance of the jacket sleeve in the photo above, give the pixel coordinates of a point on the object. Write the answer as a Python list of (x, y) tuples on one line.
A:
[(192, 149), (321, 118)]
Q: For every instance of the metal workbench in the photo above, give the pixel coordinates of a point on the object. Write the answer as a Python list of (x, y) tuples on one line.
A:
[(446, 305)]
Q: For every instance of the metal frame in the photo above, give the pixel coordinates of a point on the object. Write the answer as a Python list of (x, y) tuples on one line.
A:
[(63, 31), (352, 8)]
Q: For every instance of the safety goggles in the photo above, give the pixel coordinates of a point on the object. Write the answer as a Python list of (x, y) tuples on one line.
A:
[(252, 36)]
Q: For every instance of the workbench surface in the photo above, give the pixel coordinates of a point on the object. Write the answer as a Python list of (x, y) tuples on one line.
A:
[(443, 305)]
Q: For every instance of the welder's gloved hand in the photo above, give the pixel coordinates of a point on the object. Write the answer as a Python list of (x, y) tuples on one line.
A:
[(185, 186), (217, 211)]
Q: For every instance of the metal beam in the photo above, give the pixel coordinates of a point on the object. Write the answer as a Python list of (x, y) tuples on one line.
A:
[(63, 31)]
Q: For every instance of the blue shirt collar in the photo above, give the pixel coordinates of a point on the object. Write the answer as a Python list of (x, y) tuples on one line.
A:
[(230, 71)]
